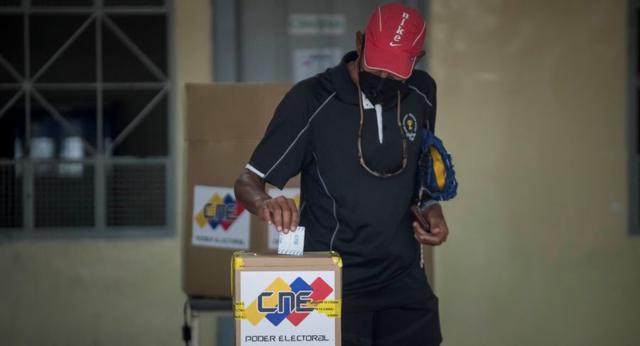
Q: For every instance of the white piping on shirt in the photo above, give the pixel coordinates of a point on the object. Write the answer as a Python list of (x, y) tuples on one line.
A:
[(300, 133), (254, 170), (421, 93), (335, 211), (301, 209)]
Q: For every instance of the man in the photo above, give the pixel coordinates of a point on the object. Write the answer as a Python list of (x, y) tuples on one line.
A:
[(353, 132)]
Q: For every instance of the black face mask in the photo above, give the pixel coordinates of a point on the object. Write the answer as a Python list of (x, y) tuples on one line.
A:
[(380, 90)]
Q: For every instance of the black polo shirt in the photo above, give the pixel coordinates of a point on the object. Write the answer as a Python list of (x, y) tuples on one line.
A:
[(365, 218)]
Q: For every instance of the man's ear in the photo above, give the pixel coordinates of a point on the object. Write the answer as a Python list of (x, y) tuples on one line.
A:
[(359, 43), (418, 57)]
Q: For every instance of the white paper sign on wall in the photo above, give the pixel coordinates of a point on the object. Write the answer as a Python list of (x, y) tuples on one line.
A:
[(310, 61), (317, 24), (218, 221)]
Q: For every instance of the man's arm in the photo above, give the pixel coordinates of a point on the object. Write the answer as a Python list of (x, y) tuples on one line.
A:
[(432, 212), (280, 211)]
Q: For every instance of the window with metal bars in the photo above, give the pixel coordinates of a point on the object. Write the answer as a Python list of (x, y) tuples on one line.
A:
[(85, 102)]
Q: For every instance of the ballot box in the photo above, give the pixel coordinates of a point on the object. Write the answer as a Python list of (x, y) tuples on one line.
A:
[(287, 300)]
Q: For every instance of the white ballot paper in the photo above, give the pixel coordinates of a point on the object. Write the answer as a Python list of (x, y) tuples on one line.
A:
[(292, 243)]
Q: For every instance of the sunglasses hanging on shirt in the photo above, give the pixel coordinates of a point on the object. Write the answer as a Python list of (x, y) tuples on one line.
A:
[(363, 163)]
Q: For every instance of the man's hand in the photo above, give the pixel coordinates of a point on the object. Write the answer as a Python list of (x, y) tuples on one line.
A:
[(280, 212), (439, 228)]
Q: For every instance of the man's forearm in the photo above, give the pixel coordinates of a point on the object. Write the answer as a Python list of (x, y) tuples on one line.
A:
[(250, 191)]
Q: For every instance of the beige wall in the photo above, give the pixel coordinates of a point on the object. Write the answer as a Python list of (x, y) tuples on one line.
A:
[(539, 253), (106, 292), (532, 104)]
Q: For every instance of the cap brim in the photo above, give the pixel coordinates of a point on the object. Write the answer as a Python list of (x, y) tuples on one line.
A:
[(397, 63)]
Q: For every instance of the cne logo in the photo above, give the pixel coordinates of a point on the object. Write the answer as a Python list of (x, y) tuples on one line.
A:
[(219, 211), (399, 31), (293, 302), (299, 301)]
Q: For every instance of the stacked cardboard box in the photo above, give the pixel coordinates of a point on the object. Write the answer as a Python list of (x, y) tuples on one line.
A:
[(224, 124)]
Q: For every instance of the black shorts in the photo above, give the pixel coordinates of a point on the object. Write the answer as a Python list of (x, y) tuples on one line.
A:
[(403, 313)]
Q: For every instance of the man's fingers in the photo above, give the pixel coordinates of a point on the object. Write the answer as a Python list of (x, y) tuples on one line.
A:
[(445, 234), (295, 215), (266, 213), (286, 214), (426, 238), (441, 230), (276, 215), (418, 230), (282, 213), (431, 240)]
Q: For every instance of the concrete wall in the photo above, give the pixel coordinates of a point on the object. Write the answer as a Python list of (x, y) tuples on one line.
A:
[(532, 104), (539, 252), (107, 292)]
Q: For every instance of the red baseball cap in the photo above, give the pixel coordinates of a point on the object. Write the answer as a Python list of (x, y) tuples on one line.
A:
[(393, 38)]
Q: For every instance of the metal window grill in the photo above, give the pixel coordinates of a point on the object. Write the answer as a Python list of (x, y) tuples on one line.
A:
[(85, 98), (136, 195), (63, 195), (11, 192)]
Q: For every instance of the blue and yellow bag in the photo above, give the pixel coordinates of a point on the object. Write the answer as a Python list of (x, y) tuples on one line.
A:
[(437, 176)]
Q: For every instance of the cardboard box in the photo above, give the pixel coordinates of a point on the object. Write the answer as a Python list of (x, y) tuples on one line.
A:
[(225, 122), (287, 300)]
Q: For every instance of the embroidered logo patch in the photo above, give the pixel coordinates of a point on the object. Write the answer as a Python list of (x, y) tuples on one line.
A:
[(410, 126)]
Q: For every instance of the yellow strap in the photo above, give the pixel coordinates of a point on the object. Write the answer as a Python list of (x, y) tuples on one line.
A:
[(438, 167), (236, 263), (330, 308), (239, 312), (337, 260)]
